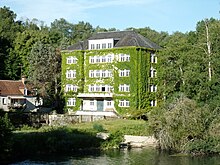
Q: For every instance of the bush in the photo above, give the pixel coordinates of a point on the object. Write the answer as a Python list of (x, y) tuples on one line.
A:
[(5, 135), (98, 127), (176, 124), (113, 141)]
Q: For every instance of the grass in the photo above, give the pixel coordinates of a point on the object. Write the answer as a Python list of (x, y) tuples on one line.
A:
[(131, 127), (70, 138)]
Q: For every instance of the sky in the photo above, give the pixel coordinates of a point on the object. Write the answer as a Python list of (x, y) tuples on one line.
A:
[(160, 15)]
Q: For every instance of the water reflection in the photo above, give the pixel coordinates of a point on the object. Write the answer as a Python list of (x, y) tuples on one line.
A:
[(122, 157)]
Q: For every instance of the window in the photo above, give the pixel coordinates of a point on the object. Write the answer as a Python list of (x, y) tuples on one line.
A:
[(97, 73), (100, 88), (92, 46), (109, 45), (103, 59), (109, 58), (124, 103), (153, 88), (124, 73), (71, 74), (153, 72), (92, 59), (153, 103), (71, 102), (71, 60), (92, 102), (97, 46), (109, 103), (98, 60), (70, 87), (124, 88), (100, 73), (91, 73), (153, 58), (124, 57), (104, 46), (4, 101), (103, 73), (91, 88)]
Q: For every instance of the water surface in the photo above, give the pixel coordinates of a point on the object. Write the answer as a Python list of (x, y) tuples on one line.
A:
[(121, 157)]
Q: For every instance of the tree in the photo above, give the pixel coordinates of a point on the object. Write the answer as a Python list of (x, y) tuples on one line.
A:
[(8, 30), (5, 135), (44, 70), (172, 66)]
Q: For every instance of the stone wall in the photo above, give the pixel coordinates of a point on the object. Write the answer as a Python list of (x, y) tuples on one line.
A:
[(60, 119)]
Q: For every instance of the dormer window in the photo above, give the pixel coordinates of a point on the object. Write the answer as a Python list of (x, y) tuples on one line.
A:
[(109, 45), (92, 46), (97, 46), (104, 46), (101, 43)]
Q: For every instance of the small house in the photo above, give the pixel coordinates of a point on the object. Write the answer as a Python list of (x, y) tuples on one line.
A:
[(14, 95)]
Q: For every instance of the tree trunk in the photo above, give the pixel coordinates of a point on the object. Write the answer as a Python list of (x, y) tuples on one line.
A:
[(208, 43)]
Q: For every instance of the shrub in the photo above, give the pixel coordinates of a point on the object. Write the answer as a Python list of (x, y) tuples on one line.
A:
[(113, 141), (98, 127), (5, 135), (177, 123)]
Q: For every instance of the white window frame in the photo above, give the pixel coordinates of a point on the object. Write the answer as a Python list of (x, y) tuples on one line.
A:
[(100, 73), (92, 59), (109, 58), (98, 46), (109, 45), (98, 59), (153, 103), (92, 103), (124, 57), (153, 72), (124, 73), (71, 102), (92, 46), (124, 88), (71, 87), (91, 73), (124, 103), (153, 58), (108, 103), (71, 60), (153, 88), (71, 74), (103, 45), (98, 88)]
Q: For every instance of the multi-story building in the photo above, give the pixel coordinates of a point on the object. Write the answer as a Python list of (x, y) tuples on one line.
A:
[(111, 71)]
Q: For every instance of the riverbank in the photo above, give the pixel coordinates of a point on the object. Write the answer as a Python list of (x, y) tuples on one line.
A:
[(29, 141)]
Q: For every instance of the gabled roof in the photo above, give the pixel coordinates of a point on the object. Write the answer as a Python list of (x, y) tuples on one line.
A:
[(123, 38), (10, 87)]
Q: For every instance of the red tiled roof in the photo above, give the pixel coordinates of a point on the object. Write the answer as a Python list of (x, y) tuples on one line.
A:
[(10, 87)]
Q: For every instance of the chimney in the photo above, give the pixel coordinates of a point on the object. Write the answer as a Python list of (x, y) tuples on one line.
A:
[(23, 78)]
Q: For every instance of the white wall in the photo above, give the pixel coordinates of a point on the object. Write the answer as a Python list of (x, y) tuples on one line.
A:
[(87, 106), (101, 41)]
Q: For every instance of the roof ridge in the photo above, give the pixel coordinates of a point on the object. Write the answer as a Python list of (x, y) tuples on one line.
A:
[(12, 80), (116, 31)]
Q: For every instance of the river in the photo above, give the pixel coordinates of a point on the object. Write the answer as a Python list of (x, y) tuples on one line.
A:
[(122, 157)]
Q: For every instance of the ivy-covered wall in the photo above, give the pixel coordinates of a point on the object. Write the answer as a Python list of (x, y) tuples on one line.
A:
[(79, 80), (139, 79)]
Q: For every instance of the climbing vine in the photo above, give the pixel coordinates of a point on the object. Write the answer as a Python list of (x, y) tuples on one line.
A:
[(139, 81)]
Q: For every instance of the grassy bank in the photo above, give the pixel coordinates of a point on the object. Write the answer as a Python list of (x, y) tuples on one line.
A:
[(67, 139)]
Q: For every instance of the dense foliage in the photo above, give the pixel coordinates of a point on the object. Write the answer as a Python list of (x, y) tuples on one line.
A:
[(188, 65), (184, 126), (5, 136)]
